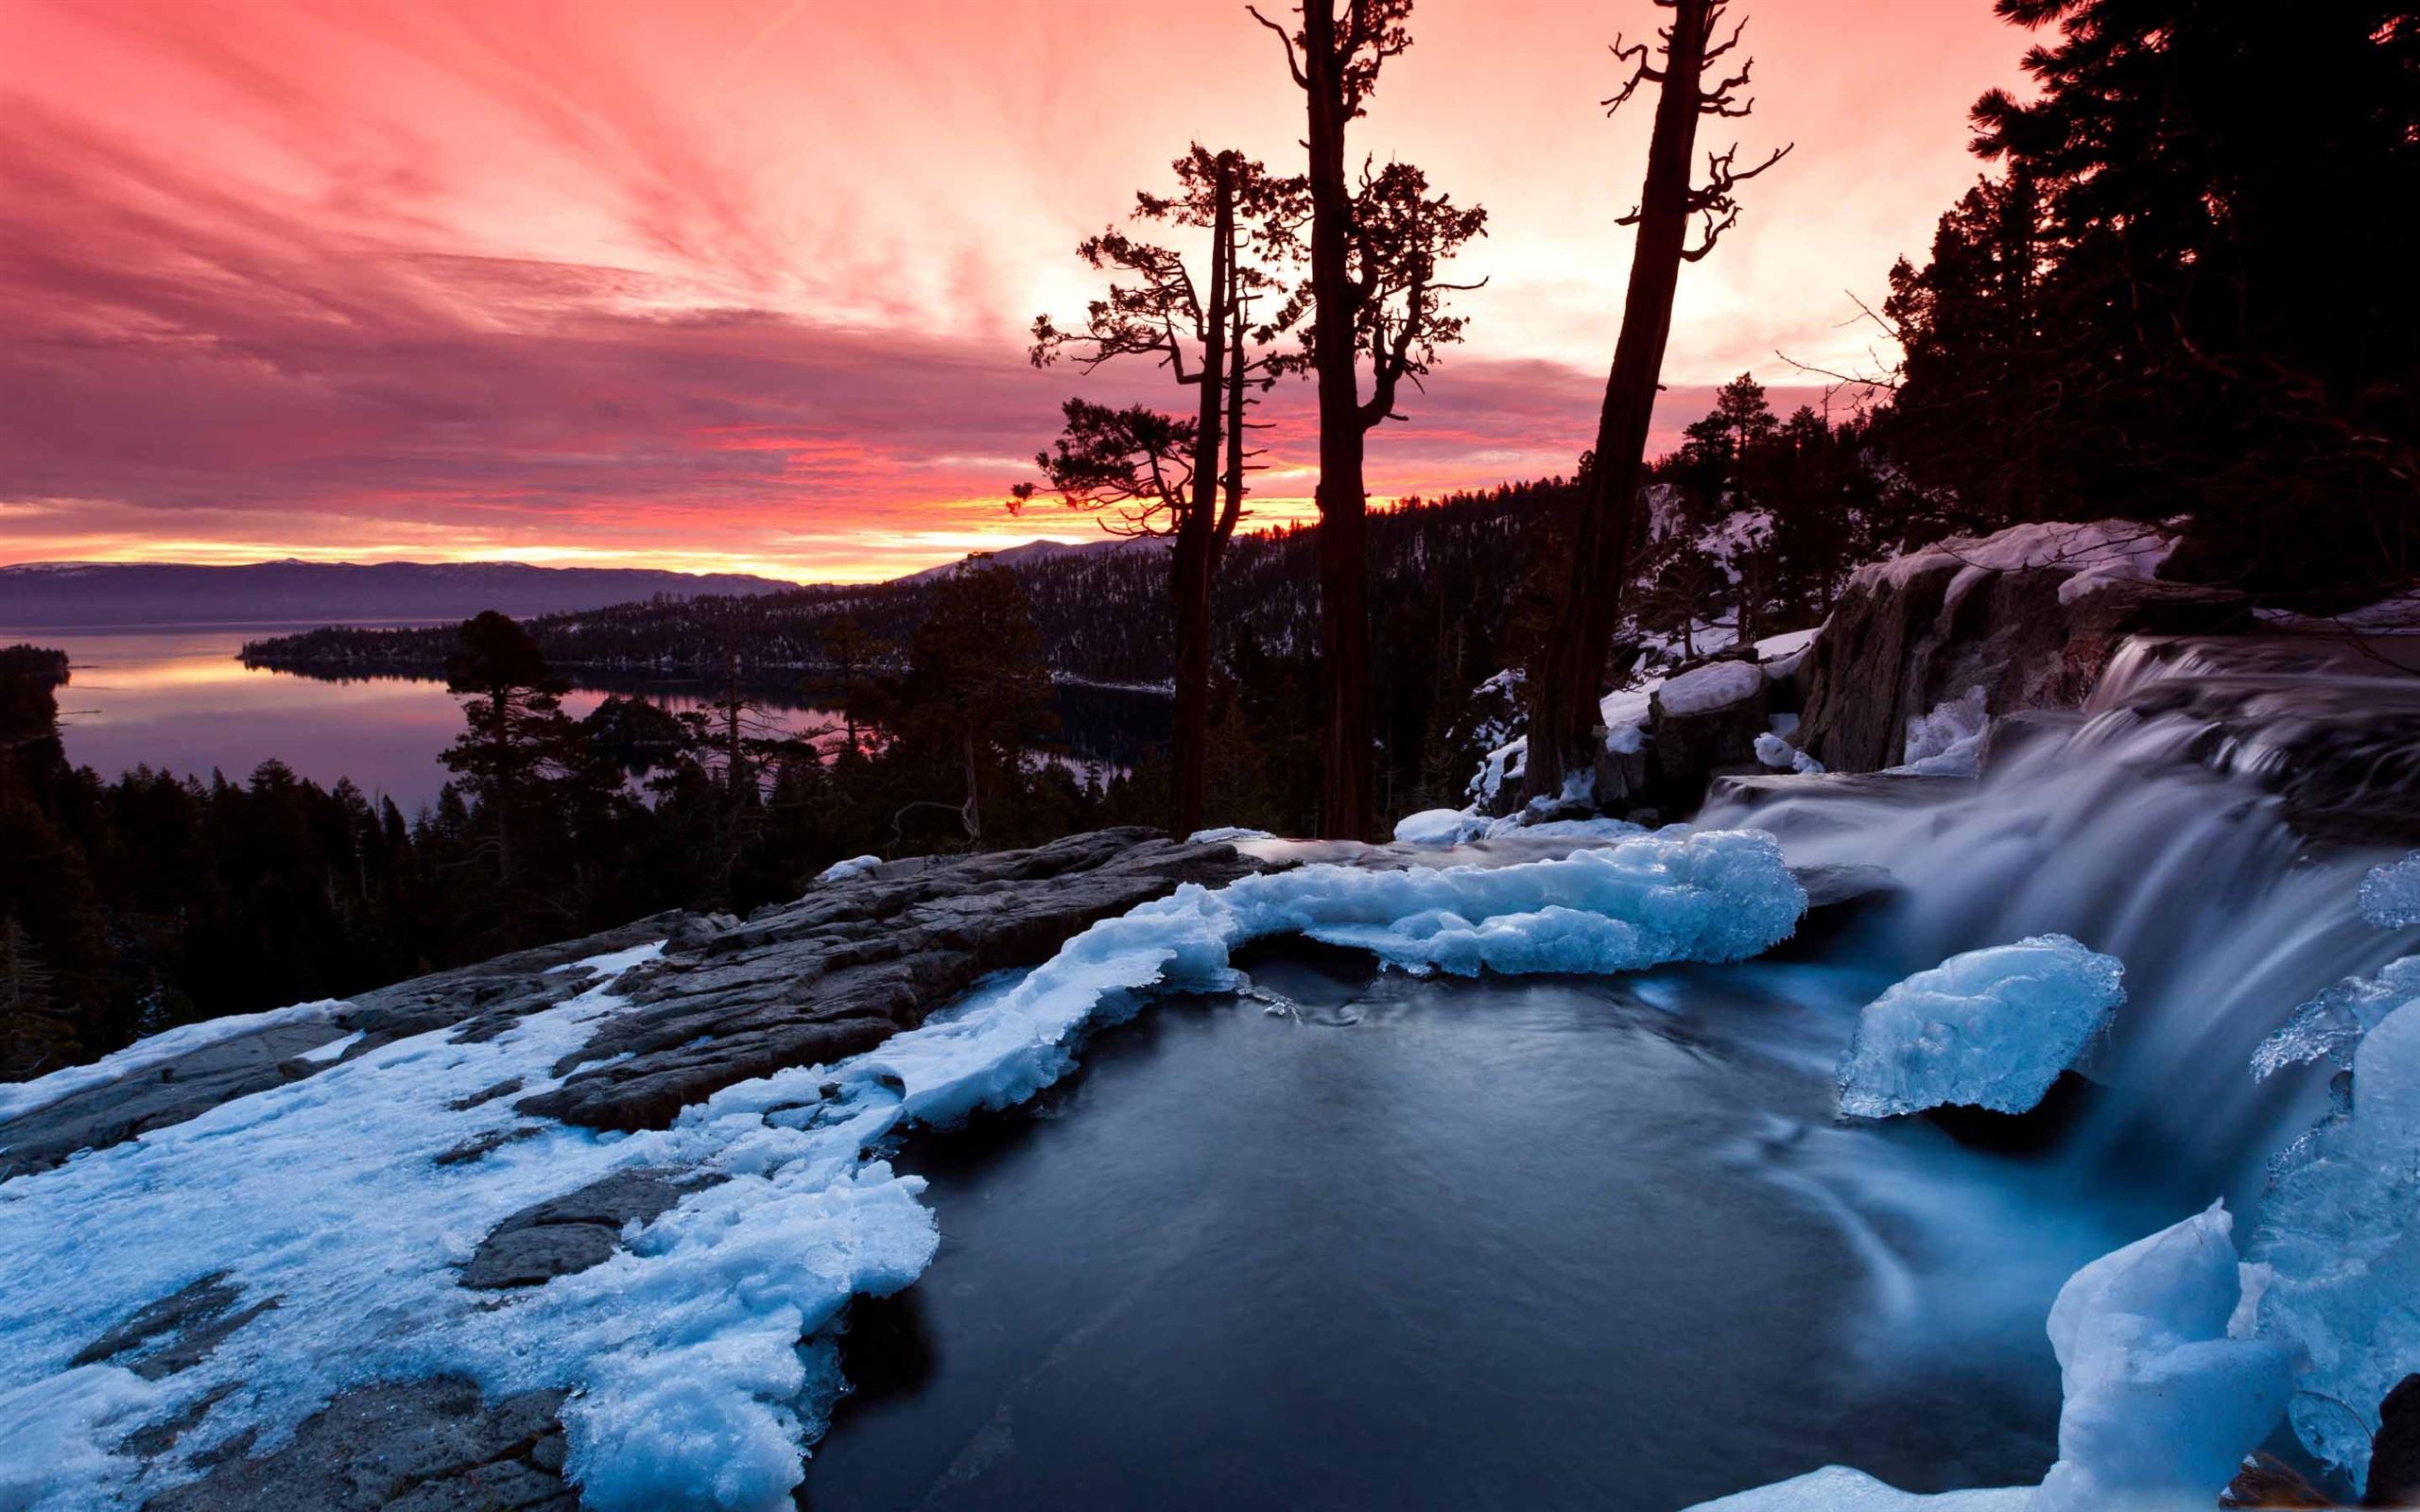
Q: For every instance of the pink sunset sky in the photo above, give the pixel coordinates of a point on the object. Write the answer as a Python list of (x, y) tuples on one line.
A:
[(743, 284)]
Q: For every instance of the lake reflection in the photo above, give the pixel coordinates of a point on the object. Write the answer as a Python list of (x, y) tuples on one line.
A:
[(176, 698)]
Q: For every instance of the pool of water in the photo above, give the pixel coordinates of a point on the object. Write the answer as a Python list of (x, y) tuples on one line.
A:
[(1512, 1241)]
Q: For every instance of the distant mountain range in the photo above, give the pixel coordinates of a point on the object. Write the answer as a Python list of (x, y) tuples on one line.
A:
[(70, 594), (66, 594)]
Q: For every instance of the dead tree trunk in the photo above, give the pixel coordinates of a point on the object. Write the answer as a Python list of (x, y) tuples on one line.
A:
[(1345, 798), (1196, 557), (1566, 686)]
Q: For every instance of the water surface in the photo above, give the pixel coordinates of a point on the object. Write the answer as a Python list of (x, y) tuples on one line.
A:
[(1508, 1243)]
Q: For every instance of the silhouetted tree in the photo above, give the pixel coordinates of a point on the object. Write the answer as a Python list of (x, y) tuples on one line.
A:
[(1565, 689), (517, 736), (978, 691), (1159, 475), (2178, 300), (34, 1034), (1373, 295)]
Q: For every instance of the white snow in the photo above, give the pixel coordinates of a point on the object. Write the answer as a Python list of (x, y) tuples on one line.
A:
[(2164, 1392), (334, 1049), (323, 1195), (1226, 834), (2332, 1023), (1439, 826), (20, 1098), (2338, 1232), (1778, 752), (2095, 554), (843, 871), (1947, 742), (1990, 1028), (1716, 685), (2391, 893)]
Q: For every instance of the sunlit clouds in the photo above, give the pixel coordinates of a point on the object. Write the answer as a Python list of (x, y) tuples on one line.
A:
[(744, 286)]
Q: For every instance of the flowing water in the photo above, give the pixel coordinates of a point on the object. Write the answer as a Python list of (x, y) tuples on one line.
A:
[(1544, 1242)]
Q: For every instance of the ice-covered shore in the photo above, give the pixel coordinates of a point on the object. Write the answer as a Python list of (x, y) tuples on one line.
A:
[(334, 1211)]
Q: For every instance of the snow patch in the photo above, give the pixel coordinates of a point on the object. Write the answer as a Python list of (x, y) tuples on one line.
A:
[(1775, 751), (1717, 685), (1947, 742), (1226, 834), (1990, 1028), (2094, 553), (843, 871), (17, 1099)]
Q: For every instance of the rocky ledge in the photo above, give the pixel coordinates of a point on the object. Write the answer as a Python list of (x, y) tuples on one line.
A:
[(856, 960)]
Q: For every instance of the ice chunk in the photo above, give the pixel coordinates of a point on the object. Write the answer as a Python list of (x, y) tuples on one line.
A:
[(1991, 1028), (2333, 1022), (1838, 1488), (2391, 893), (843, 871), (2338, 1232), (2162, 1394), (1947, 742), (1716, 685)]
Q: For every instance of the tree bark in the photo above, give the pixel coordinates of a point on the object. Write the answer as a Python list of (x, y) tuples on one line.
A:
[(1195, 556), (1563, 699), (1345, 810)]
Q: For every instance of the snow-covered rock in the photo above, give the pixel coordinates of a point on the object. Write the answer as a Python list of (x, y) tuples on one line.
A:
[(1991, 1028), (2029, 615), (2164, 1391), (1716, 685), (1227, 834), (1775, 750), (1948, 741), (2339, 1234), (843, 871), (1439, 826)]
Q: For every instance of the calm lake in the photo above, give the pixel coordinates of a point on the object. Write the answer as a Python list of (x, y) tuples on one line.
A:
[(174, 698)]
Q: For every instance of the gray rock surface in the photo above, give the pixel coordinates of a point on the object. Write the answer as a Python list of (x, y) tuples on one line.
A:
[(1899, 645), (851, 964), (429, 1445), (570, 1232)]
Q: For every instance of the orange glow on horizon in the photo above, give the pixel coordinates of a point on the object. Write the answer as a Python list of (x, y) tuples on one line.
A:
[(745, 287)]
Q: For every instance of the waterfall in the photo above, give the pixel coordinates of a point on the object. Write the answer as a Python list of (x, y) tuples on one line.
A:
[(2200, 819)]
